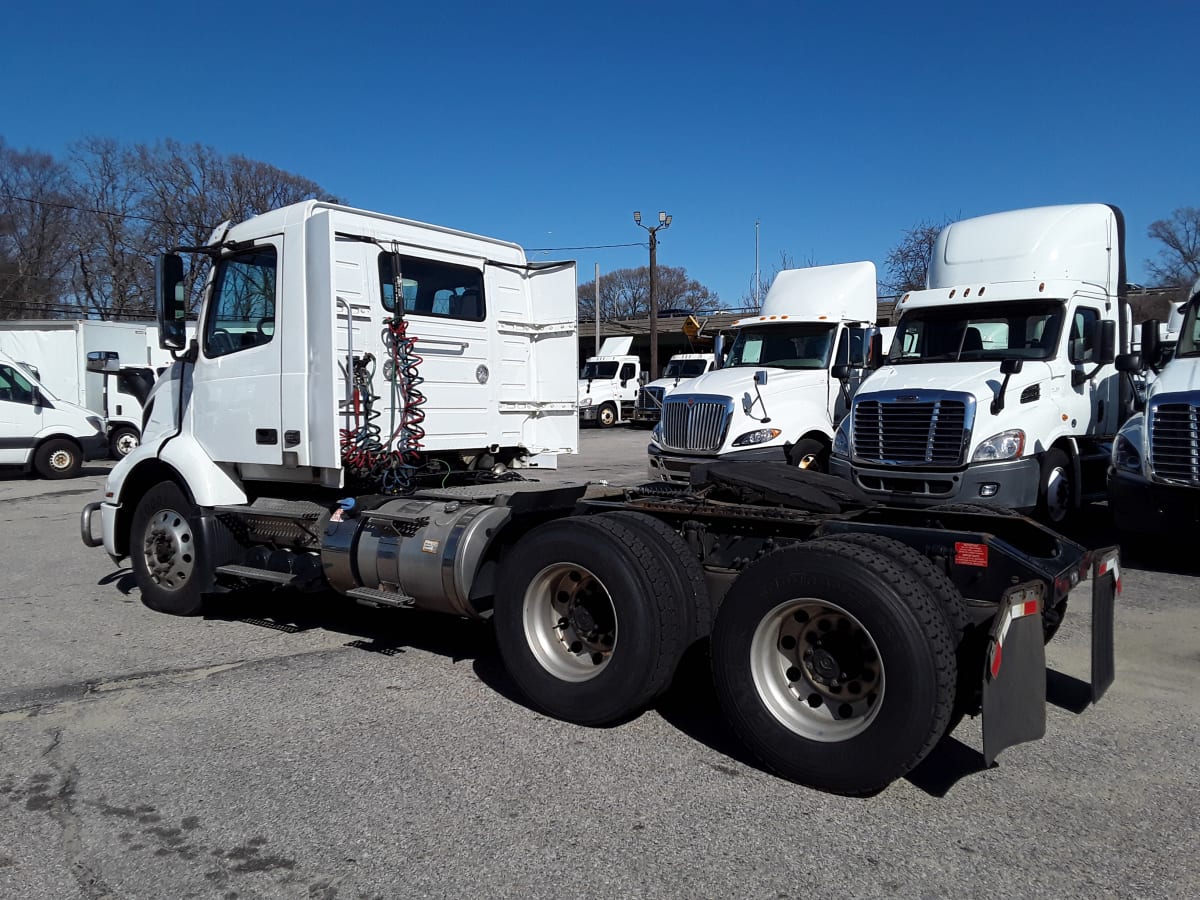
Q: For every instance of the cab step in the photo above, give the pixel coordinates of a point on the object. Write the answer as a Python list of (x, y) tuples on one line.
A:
[(252, 574), (376, 597)]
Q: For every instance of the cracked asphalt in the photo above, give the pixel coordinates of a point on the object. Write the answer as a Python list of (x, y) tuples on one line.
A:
[(284, 746)]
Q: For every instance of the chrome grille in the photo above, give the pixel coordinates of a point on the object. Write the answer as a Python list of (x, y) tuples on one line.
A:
[(924, 431), (695, 423), (650, 398), (1175, 442)]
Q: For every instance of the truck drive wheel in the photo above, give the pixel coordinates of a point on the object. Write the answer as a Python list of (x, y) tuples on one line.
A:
[(122, 441), (1055, 492), (588, 621), (606, 416), (58, 458), (166, 552), (809, 454), (834, 665)]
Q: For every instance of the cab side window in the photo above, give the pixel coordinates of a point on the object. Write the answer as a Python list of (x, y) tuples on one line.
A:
[(1084, 328), (627, 371), (432, 288), (14, 387), (242, 314)]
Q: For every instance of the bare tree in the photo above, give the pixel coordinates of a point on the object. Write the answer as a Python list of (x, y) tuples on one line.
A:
[(907, 263), (1178, 263), (752, 299), (626, 293), (35, 221)]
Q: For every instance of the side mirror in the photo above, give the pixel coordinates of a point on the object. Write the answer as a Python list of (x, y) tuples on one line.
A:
[(1106, 345), (1011, 366), (170, 302), (39, 399), (841, 372), (760, 377), (875, 358), (718, 350), (104, 361), (1130, 363), (1151, 345)]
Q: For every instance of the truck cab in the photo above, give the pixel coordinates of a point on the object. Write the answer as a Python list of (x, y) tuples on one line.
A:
[(41, 431), (124, 397), (1154, 472), (682, 368), (786, 382), (608, 384), (999, 387)]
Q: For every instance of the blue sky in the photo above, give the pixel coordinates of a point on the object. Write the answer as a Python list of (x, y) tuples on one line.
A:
[(837, 126)]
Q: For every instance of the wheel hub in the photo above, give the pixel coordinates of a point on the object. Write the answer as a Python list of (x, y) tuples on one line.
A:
[(168, 549), (570, 622), (60, 459)]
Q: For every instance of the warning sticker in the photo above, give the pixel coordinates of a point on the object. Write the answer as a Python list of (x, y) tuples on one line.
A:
[(429, 546), (970, 554)]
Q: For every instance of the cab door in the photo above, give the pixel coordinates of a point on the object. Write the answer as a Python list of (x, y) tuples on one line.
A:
[(20, 418), (236, 386)]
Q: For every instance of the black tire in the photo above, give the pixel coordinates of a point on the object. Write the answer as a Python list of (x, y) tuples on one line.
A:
[(122, 441), (1055, 487), (685, 568), (899, 697), (58, 458), (593, 573), (816, 452), (166, 551), (606, 416)]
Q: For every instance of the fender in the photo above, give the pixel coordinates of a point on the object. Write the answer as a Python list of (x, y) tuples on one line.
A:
[(208, 483)]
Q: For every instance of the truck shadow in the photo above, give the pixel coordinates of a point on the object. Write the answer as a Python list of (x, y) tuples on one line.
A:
[(1165, 553)]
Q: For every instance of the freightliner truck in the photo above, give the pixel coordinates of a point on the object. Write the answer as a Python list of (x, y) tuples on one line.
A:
[(364, 391), (999, 387), (1154, 474)]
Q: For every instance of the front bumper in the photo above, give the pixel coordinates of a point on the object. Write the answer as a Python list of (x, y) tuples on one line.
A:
[(94, 447), (1012, 483), (108, 527), (665, 465), (1141, 505)]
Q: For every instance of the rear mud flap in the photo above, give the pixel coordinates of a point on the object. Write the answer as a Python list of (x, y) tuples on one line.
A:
[(1106, 584), (1014, 679)]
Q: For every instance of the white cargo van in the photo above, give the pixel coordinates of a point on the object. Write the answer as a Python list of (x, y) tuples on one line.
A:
[(41, 431)]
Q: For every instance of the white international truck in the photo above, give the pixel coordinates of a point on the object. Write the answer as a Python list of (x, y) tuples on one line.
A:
[(608, 384), (103, 366), (788, 379), (1154, 473), (681, 368), (999, 388), (362, 389), (41, 431)]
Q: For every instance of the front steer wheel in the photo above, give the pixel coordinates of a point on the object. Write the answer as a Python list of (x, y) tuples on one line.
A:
[(589, 620), (834, 665), (167, 552)]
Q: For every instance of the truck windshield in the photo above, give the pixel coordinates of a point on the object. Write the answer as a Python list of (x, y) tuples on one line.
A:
[(685, 368), (800, 346), (602, 370), (1189, 333), (1024, 329)]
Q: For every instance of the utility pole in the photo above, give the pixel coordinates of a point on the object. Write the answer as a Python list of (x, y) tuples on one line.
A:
[(757, 300), (664, 221), (597, 310)]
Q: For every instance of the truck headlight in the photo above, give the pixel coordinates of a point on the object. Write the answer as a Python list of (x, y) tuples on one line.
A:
[(841, 439), (758, 436), (96, 423), (586, 401), (1005, 445), (1125, 455)]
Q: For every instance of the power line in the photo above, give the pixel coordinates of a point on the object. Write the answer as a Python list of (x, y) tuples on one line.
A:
[(590, 247)]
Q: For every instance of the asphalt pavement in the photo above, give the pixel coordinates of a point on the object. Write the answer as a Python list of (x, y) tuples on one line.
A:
[(287, 746)]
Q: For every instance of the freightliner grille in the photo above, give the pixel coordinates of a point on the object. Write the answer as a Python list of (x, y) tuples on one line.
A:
[(926, 432), (1175, 442), (690, 423)]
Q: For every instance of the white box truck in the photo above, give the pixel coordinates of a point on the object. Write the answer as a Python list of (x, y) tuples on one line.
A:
[(1154, 473), (287, 448), (608, 384), (114, 385), (40, 430), (681, 368), (786, 383), (999, 387)]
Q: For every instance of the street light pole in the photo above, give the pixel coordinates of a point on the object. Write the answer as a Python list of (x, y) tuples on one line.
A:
[(664, 221)]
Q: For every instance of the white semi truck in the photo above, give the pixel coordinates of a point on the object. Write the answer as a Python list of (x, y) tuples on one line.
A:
[(681, 368), (1154, 473), (786, 383), (350, 417), (41, 431), (608, 384), (999, 388), (103, 366)]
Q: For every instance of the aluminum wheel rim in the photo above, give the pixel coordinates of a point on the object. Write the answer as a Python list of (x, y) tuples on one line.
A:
[(570, 622), (1058, 494), (60, 460), (169, 550), (126, 443), (606, 416), (817, 670)]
